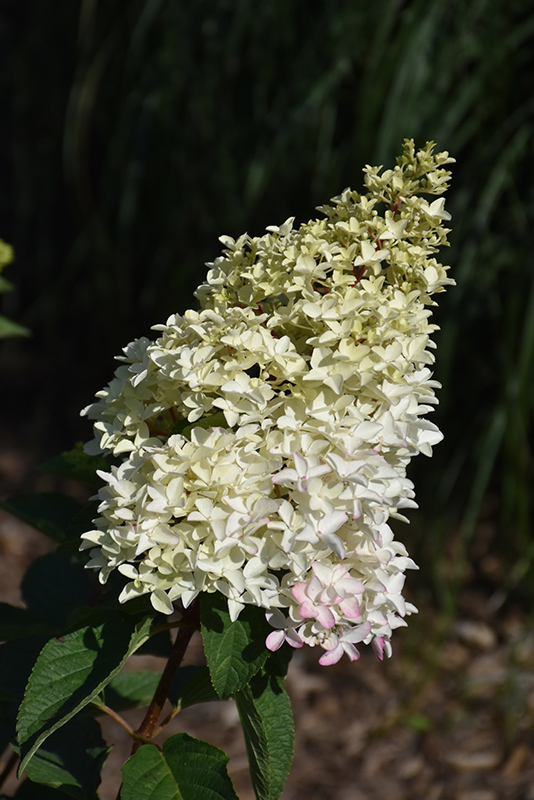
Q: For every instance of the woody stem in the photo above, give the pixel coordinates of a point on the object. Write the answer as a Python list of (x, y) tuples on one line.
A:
[(191, 621)]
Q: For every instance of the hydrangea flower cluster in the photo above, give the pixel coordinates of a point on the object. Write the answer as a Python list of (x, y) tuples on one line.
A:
[(265, 437)]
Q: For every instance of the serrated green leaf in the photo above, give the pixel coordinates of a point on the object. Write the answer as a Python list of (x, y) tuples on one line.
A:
[(192, 685), (53, 586), (70, 671), (79, 466), (71, 759), (235, 651), (186, 769), (17, 622), (9, 328), (16, 661), (48, 512), (265, 713), (133, 689)]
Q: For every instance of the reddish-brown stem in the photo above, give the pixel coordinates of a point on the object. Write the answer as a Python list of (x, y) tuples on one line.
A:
[(170, 716), (157, 431), (358, 274), (376, 240), (190, 620), (117, 717)]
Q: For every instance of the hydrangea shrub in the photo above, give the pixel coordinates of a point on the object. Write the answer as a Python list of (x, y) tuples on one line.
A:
[(249, 462), (264, 439)]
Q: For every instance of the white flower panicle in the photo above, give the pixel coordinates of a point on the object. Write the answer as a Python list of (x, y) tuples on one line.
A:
[(265, 438)]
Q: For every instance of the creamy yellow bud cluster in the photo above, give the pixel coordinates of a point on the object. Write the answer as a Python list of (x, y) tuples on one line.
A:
[(265, 438)]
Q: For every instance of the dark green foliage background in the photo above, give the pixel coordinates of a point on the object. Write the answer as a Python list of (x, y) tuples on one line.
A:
[(133, 134)]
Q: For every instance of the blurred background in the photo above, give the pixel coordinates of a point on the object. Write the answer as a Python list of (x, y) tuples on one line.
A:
[(133, 135)]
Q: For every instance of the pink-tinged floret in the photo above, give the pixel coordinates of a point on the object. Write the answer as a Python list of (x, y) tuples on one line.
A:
[(307, 594)]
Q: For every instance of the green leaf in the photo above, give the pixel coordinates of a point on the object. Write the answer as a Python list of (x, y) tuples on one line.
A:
[(131, 689), (235, 651), (17, 658), (265, 712), (79, 466), (49, 512), (81, 522), (159, 645), (419, 722), (192, 685), (183, 426), (71, 759), (16, 661), (9, 328), (70, 671), (186, 769), (53, 586), (5, 285), (36, 791), (278, 662), (18, 622)]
